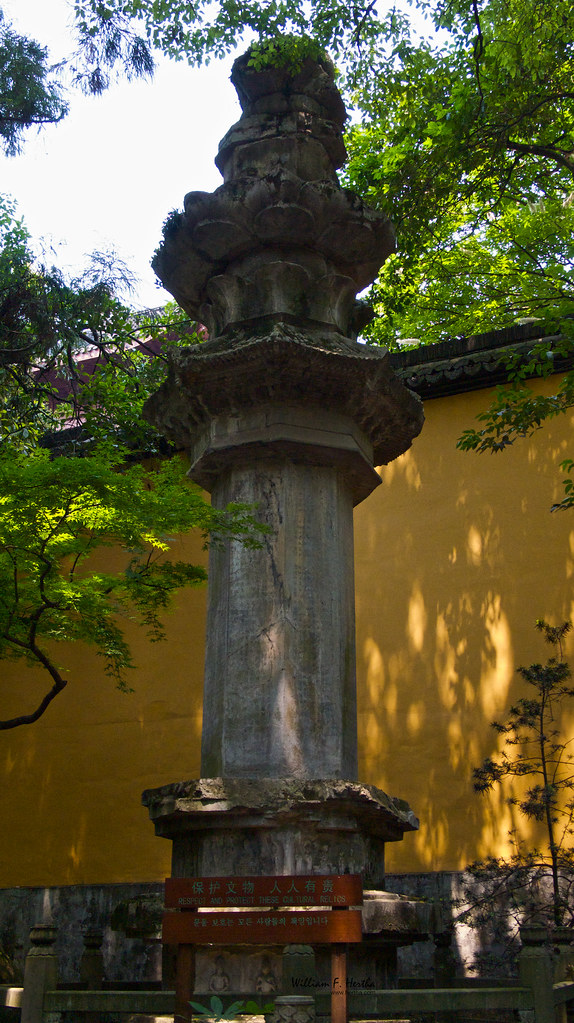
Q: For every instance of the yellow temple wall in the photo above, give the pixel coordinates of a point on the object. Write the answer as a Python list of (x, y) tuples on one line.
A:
[(457, 555)]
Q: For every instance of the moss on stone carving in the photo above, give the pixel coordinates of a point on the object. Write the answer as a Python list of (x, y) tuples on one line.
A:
[(287, 52)]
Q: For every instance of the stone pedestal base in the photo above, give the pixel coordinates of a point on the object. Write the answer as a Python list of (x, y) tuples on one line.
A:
[(222, 827), (240, 827)]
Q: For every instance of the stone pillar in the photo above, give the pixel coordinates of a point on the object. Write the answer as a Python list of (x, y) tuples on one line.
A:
[(282, 408), (281, 627)]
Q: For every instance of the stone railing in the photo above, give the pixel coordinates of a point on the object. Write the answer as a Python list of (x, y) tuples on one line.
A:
[(541, 989)]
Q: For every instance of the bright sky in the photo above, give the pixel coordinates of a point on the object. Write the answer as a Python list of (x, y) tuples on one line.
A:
[(108, 175)]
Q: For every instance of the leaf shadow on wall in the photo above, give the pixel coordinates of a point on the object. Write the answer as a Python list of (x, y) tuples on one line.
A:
[(456, 557)]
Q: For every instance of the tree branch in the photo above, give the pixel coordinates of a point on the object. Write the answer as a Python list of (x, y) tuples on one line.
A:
[(556, 155), (477, 51), (357, 33), (59, 684)]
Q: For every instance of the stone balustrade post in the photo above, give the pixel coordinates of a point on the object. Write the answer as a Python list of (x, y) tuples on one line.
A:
[(293, 1009), (92, 967), (444, 966), (298, 970), (536, 971), (564, 954), (92, 961), (40, 974), (563, 963)]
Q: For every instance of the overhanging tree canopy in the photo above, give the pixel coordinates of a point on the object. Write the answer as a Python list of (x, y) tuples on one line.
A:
[(71, 479), (75, 369), (464, 135), (469, 139), (30, 92)]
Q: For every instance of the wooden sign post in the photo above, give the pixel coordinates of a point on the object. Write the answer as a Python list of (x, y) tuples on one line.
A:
[(339, 984), (263, 911)]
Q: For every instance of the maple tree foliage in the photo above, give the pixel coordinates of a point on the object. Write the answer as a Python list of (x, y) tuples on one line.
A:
[(81, 471)]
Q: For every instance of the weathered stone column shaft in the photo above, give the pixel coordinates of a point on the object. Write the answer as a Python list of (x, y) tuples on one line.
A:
[(279, 697)]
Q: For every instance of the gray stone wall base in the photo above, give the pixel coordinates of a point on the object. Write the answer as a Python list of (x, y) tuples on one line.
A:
[(76, 909)]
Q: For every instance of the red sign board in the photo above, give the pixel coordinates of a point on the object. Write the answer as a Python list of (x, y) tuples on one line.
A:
[(271, 927), (272, 892)]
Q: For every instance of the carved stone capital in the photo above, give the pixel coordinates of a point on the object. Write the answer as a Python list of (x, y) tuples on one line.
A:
[(282, 365)]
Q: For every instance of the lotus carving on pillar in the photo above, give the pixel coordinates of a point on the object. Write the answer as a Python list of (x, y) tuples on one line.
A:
[(280, 238)]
